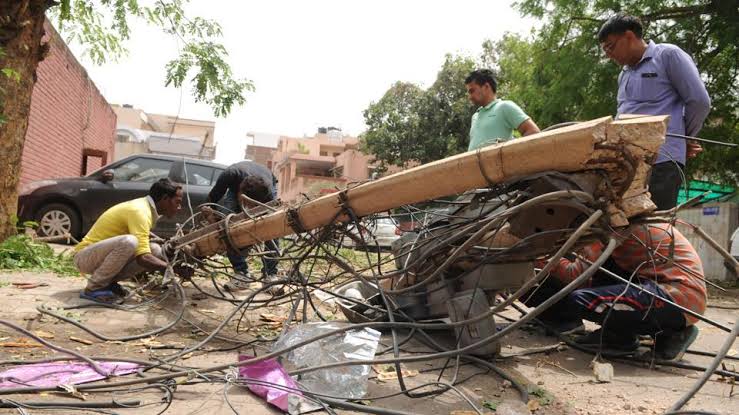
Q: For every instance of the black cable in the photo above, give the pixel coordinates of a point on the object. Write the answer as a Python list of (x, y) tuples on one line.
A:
[(176, 286), (131, 403)]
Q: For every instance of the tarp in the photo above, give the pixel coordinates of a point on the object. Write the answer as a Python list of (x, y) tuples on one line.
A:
[(60, 373), (716, 192)]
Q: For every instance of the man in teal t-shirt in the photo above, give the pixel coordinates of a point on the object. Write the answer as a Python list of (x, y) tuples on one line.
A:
[(496, 119)]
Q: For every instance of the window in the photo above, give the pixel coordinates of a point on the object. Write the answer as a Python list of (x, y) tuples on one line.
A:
[(324, 153), (93, 159), (142, 170), (199, 175), (216, 174)]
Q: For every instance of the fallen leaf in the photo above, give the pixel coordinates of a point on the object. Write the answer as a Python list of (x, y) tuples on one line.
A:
[(272, 318), (731, 353), (383, 368), (79, 340), (387, 372), (150, 342), (44, 334), (22, 342), (533, 405), (492, 405), (73, 391), (29, 285)]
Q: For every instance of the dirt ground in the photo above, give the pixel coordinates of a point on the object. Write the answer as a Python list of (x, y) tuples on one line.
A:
[(562, 381)]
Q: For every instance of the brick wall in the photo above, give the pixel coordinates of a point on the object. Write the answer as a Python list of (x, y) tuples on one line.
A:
[(69, 118)]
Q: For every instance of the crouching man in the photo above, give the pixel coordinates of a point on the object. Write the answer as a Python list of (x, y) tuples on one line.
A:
[(118, 247), (655, 257)]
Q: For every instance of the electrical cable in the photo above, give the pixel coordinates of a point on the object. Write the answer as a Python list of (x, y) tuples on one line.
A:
[(709, 370)]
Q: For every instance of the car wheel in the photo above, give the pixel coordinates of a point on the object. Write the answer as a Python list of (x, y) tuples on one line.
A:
[(57, 219)]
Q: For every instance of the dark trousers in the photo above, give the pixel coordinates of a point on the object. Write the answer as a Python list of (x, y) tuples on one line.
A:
[(664, 184), (612, 305), (238, 262)]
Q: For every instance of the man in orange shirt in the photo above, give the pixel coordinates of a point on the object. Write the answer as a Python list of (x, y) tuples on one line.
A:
[(656, 257)]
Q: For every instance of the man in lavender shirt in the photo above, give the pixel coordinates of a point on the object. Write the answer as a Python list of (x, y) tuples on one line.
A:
[(658, 79)]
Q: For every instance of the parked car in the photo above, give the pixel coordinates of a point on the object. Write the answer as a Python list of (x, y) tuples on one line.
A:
[(71, 205), (385, 231)]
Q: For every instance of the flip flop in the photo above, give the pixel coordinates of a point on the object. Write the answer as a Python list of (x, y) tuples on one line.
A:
[(117, 289), (103, 296)]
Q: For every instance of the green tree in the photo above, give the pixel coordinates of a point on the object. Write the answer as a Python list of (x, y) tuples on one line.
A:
[(393, 126), (567, 77), (103, 26), (409, 124), (446, 111)]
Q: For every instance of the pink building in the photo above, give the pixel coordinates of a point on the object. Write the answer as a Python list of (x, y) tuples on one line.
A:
[(324, 163)]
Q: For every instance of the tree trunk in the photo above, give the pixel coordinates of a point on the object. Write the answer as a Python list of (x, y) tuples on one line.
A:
[(21, 31)]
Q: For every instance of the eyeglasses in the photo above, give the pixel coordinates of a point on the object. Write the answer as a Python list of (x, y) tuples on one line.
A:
[(608, 47)]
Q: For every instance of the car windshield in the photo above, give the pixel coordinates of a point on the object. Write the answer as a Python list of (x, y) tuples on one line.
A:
[(143, 170)]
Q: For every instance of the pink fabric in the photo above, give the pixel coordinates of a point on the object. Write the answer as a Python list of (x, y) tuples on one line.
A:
[(60, 373), (269, 371)]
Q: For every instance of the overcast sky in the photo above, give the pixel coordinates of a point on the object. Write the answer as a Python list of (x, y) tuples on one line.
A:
[(313, 63)]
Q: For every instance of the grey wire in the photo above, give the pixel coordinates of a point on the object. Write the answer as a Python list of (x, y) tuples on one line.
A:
[(730, 338)]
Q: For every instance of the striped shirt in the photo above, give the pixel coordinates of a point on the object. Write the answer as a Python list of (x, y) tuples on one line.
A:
[(645, 250)]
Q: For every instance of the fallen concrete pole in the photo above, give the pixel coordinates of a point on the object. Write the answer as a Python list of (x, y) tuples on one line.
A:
[(623, 150)]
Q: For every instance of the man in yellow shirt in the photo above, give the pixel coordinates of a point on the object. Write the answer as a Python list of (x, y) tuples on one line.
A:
[(118, 247)]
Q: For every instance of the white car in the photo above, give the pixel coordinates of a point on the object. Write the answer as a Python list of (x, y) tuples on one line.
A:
[(380, 232), (734, 244)]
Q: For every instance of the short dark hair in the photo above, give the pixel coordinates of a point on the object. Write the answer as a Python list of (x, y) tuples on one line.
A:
[(257, 188), (482, 77), (163, 187), (618, 24)]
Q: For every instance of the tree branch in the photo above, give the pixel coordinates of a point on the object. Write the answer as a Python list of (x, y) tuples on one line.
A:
[(676, 12), (588, 19)]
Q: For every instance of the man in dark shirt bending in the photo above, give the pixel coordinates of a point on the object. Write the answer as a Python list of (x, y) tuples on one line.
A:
[(258, 183)]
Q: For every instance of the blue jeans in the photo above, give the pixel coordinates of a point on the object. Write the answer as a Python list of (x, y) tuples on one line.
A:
[(613, 305), (238, 261)]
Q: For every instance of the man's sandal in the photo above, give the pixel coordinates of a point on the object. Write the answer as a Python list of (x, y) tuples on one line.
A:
[(117, 289), (103, 296)]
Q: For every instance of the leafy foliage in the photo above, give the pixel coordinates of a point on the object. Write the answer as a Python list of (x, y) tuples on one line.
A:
[(20, 252), (573, 79), (103, 26), (492, 405), (393, 126), (409, 124)]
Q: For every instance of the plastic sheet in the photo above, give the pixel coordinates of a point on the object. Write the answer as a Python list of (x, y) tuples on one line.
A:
[(269, 371), (346, 381), (60, 373)]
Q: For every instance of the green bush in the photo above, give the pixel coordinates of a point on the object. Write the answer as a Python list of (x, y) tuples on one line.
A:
[(20, 252)]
